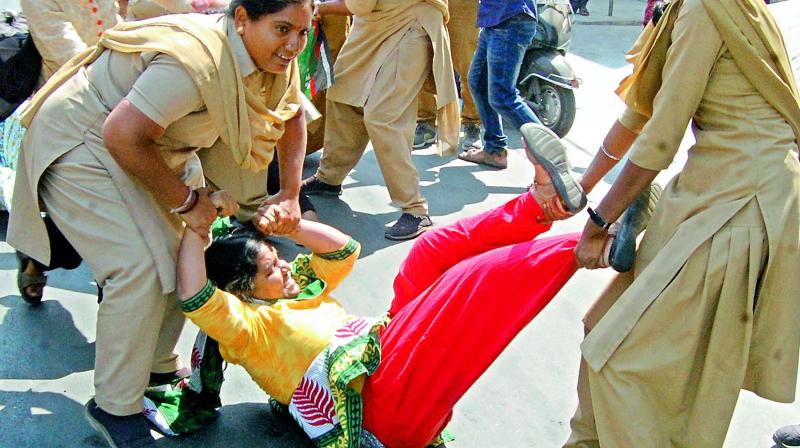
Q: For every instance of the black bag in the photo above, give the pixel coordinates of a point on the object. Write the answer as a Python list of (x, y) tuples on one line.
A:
[(20, 63)]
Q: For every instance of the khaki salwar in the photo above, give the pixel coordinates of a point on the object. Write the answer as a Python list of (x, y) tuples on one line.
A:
[(388, 119), (463, 42), (337, 28), (133, 306), (392, 48), (710, 306), (128, 240)]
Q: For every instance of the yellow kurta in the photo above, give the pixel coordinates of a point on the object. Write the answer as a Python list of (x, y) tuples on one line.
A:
[(711, 306), (277, 342)]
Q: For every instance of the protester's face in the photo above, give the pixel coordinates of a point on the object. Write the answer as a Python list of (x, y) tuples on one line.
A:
[(274, 40), (273, 279)]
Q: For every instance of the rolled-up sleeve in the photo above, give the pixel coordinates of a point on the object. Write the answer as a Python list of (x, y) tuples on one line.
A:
[(222, 316), (360, 7), (165, 91), (690, 59)]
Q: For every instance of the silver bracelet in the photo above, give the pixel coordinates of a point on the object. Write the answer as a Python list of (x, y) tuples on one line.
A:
[(608, 154), (187, 203)]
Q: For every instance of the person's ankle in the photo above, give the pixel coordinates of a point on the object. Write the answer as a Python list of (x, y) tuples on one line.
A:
[(31, 268)]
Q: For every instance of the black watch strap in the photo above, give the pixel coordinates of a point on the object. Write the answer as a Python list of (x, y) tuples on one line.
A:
[(597, 219)]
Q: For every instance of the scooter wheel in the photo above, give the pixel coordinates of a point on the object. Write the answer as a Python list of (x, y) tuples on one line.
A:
[(555, 107)]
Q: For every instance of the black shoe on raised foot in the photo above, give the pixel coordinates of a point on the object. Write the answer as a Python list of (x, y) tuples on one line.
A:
[(547, 149), (633, 222), (787, 437), (314, 186), (130, 431), (408, 227)]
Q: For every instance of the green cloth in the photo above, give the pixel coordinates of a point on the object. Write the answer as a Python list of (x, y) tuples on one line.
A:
[(186, 406)]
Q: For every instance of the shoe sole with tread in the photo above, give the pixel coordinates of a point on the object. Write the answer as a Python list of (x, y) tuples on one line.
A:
[(547, 149)]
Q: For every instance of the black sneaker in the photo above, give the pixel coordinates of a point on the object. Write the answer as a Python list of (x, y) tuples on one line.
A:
[(633, 222), (169, 378), (130, 431), (314, 186), (787, 437), (408, 226), (424, 135)]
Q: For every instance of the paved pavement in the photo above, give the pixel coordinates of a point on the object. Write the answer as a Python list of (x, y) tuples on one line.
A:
[(524, 400)]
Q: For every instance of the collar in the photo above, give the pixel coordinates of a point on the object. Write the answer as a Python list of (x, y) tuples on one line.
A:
[(246, 64)]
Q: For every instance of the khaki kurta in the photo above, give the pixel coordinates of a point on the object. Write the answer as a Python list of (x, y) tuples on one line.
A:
[(463, 42), (378, 27), (391, 50), (128, 240), (249, 131), (147, 9), (711, 306), (63, 28)]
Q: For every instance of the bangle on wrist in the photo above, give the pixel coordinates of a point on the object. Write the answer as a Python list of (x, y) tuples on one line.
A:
[(608, 154), (188, 203), (597, 219)]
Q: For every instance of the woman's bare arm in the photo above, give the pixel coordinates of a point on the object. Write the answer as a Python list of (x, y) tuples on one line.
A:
[(333, 7), (191, 265), (617, 142), (130, 137)]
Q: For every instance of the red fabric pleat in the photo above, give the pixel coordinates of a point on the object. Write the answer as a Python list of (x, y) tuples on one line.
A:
[(462, 294)]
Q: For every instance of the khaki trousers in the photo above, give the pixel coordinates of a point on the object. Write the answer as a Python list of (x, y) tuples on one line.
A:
[(336, 30), (387, 119), (137, 325), (675, 379), (463, 42)]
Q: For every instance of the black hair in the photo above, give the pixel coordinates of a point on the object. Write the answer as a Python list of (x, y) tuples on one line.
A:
[(658, 10), (232, 261), (257, 8)]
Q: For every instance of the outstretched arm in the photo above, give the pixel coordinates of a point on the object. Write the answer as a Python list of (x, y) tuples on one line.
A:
[(191, 264), (191, 258), (319, 238), (616, 144)]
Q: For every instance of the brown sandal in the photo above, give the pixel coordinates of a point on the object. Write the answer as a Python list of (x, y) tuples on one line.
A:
[(25, 281)]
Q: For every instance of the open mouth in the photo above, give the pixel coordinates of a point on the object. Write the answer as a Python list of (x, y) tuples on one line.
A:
[(286, 59)]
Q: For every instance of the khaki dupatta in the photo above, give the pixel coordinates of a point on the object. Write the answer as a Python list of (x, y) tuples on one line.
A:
[(751, 36), (245, 124), (383, 17)]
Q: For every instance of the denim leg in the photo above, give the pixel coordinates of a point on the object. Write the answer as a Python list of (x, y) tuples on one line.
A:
[(494, 139), (506, 47)]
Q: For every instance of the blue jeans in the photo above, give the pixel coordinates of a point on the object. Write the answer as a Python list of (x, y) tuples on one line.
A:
[(493, 78)]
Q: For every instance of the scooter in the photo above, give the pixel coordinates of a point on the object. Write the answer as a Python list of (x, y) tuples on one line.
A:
[(546, 80)]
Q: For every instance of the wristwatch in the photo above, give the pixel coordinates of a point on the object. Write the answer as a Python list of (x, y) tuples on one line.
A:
[(597, 219)]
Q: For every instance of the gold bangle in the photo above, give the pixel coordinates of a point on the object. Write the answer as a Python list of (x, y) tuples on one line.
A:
[(608, 154)]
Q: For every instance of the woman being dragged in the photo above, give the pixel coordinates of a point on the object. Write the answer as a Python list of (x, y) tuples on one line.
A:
[(391, 380)]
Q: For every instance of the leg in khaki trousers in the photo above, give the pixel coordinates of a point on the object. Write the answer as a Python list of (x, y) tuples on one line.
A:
[(388, 120), (583, 425), (463, 42), (336, 30), (137, 325)]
